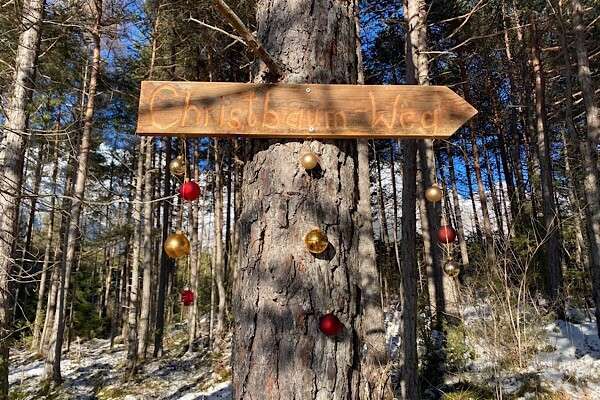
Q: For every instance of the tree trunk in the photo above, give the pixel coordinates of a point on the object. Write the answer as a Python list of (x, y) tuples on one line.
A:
[(52, 364), (278, 351), (195, 256), (487, 225), (147, 263), (11, 165), (165, 261), (552, 246), (39, 311), (414, 15), (592, 176), (219, 258), (462, 241)]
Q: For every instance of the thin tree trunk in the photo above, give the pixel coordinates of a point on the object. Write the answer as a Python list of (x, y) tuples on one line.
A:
[(552, 245), (195, 256), (11, 165), (462, 242), (414, 15), (147, 246), (52, 364), (592, 176), (39, 311), (487, 225), (165, 261), (219, 259)]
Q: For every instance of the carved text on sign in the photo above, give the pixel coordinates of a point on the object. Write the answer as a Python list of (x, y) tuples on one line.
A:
[(333, 111)]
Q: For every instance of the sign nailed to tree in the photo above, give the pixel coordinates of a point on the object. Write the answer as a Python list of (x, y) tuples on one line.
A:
[(311, 110)]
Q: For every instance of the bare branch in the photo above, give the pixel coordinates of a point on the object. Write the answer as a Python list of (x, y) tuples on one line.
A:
[(249, 38)]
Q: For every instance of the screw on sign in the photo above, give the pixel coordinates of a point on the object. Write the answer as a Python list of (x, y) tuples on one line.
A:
[(189, 191), (187, 297)]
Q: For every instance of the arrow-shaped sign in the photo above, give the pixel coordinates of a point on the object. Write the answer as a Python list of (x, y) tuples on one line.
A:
[(293, 111)]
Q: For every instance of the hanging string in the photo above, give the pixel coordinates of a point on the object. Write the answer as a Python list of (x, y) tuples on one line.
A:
[(183, 154)]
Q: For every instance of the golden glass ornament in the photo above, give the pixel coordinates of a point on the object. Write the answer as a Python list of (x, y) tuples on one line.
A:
[(316, 241), (177, 166), (433, 193), (309, 160), (452, 268), (177, 245)]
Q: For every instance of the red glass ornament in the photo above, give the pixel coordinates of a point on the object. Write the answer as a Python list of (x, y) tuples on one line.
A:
[(189, 191), (446, 234), (330, 325), (187, 297)]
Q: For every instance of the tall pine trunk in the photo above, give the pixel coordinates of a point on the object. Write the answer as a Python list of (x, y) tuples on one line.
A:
[(11, 164), (551, 217), (278, 351), (52, 363), (592, 175)]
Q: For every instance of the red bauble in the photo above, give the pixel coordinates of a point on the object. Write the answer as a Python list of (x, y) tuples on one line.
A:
[(187, 297), (330, 325), (446, 234), (189, 191)]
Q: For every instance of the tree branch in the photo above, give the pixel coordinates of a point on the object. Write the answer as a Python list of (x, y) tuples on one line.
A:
[(248, 37)]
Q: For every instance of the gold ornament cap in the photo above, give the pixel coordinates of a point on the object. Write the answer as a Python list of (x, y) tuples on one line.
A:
[(177, 245), (316, 241), (177, 166), (433, 193), (309, 160)]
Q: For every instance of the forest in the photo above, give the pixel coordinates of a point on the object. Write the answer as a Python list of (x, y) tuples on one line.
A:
[(215, 265)]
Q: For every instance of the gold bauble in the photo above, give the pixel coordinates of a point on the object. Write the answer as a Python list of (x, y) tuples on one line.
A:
[(452, 268), (316, 241), (177, 166), (309, 160), (433, 193), (177, 245)]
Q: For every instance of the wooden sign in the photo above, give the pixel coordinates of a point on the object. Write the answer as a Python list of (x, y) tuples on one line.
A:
[(295, 111)]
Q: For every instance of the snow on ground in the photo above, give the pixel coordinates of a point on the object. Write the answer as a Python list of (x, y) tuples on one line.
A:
[(92, 370)]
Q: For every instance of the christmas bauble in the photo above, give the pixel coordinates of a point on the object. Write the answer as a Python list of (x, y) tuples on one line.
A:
[(316, 241), (187, 297), (177, 166), (189, 191), (309, 160), (177, 245), (433, 193), (330, 325), (446, 234), (452, 268)]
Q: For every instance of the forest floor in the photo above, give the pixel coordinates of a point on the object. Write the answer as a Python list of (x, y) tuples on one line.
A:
[(566, 366), (92, 370)]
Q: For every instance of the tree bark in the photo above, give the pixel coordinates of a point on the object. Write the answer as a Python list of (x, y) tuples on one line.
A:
[(39, 311), (147, 247), (487, 225), (462, 242), (552, 246), (52, 363), (414, 15), (11, 165), (592, 175), (278, 351), (219, 256)]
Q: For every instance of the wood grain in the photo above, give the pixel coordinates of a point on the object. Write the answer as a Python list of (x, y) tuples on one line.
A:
[(308, 111)]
